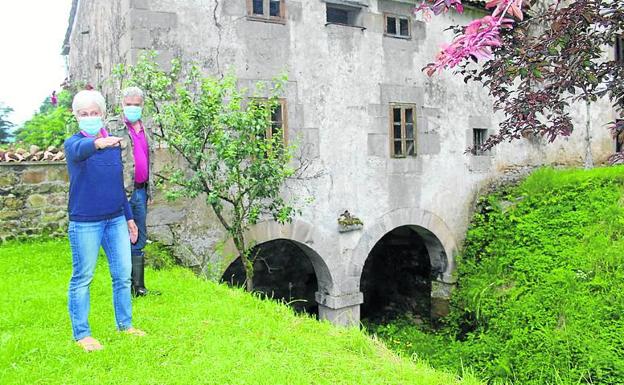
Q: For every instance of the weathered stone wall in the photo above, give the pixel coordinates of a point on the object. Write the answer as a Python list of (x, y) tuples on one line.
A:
[(99, 40), (342, 81), (33, 199)]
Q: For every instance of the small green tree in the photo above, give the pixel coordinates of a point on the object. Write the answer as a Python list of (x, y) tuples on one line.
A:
[(51, 125), (220, 133), (5, 123)]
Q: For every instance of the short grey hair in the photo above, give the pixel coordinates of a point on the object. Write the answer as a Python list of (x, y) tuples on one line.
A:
[(87, 98), (132, 92)]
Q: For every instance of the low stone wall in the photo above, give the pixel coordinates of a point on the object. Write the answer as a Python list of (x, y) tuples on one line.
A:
[(33, 199), (33, 202)]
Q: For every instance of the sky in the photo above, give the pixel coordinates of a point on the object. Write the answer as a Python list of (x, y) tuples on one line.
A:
[(31, 65)]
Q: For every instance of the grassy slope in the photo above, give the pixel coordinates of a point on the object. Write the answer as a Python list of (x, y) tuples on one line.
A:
[(541, 285), (199, 333)]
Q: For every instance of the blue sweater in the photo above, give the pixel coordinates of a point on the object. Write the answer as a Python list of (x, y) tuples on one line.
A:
[(96, 190)]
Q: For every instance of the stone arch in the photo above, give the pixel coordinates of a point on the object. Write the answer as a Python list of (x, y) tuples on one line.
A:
[(437, 236), (302, 233), (432, 233)]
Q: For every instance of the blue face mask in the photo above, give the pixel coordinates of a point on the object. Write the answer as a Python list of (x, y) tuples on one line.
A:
[(132, 113), (91, 125)]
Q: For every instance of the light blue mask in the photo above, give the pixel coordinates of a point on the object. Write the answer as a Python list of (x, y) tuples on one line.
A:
[(132, 113), (91, 125)]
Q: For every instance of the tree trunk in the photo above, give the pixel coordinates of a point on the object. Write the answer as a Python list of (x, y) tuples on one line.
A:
[(249, 273), (247, 263), (589, 160)]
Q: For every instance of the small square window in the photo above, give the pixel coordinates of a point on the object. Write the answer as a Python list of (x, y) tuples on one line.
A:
[(403, 130), (397, 26), (270, 10), (479, 136)]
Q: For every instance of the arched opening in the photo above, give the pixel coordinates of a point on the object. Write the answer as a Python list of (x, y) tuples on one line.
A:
[(283, 270), (397, 275)]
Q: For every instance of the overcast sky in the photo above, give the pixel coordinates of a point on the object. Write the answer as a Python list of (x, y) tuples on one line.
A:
[(31, 67)]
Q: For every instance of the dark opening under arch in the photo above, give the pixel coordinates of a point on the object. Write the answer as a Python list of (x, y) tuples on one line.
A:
[(396, 279), (282, 271)]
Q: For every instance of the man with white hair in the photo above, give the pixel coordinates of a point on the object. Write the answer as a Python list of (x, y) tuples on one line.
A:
[(138, 157)]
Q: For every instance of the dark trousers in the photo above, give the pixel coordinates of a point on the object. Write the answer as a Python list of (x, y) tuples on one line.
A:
[(138, 204)]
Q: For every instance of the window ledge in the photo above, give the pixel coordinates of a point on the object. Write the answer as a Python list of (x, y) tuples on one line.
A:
[(398, 36), (267, 20), (347, 25)]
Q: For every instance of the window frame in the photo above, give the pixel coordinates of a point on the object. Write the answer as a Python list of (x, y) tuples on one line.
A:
[(283, 103), (404, 140), (266, 16), (397, 22), (475, 149)]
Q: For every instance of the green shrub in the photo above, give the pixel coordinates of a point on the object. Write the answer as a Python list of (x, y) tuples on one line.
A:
[(540, 298), (158, 256), (49, 128)]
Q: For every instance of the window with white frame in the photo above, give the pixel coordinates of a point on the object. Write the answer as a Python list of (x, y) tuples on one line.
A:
[(398, 26)]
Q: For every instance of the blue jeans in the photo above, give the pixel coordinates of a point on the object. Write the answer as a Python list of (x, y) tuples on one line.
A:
[(138, 204), (85, 239)]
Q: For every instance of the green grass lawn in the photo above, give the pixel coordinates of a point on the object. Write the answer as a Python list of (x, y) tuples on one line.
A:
[(198, 333)]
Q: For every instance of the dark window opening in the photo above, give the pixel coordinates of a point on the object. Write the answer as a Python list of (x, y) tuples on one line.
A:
[(274, 8), (337, 15), (258, 7), (479, 136), (404, 27), (391, 25), (398, 26)]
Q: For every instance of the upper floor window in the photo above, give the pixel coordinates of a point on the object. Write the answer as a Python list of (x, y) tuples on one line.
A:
[(397, 26), (402, 130), (342, 14), (266, 9), (479, 136), (619, 49)]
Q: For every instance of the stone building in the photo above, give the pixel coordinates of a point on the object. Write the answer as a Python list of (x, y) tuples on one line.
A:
[(391, 141)]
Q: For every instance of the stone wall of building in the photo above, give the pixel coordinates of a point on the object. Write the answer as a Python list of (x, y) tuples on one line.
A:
[(33, 199), (342, 83)]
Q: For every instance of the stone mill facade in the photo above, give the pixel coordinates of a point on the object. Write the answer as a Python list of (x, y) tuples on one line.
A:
[(390, 142)]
